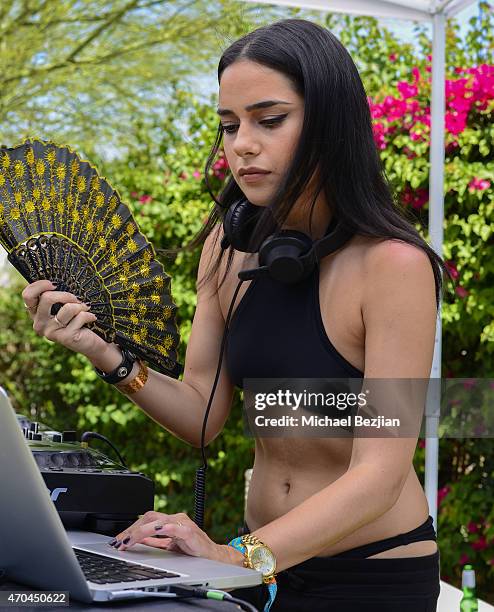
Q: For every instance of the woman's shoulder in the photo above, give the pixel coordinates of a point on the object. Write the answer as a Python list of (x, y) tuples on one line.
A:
[(391, 254), (367, 260)]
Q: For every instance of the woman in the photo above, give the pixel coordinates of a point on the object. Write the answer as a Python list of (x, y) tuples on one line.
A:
[(297, 135)]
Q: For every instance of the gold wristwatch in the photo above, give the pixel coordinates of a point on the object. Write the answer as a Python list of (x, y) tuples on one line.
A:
[(258, 556)]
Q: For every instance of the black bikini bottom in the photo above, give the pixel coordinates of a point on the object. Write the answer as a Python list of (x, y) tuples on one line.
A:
[(349, 582)]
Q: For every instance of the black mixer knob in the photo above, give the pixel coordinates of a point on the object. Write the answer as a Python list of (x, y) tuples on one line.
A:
[(37, 436), (69, 436), (56, 437), (34, 427)]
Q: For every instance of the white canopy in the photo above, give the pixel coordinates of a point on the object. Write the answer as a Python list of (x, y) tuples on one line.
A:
[(435, 12), (416, 10)]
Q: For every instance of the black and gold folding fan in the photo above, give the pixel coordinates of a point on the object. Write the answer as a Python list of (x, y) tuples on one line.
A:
[(61, 221)]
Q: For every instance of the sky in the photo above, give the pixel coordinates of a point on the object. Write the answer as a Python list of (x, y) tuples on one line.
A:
[(404, 29)]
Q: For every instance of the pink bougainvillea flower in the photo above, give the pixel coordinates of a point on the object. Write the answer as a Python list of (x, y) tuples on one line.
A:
[(461, 105), (480, 544), (442, 493), (455, 122), (196, 174), (145, 199), (451, 146), (378, 129), (394, 108), (183, 176), (392, 57), (416, 74), (478, 184), (464, 559), (421, 443), (472, 527), (461, 291), (220, 163), (469, 383), (417, 199), (450, 264), (407, 90), (134, 194)]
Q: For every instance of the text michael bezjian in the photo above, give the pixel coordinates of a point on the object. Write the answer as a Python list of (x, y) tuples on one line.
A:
[(325, 421)]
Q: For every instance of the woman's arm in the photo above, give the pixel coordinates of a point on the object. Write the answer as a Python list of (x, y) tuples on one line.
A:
[(399, 313)]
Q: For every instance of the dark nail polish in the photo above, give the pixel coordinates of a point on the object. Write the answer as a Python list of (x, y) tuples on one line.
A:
[(117, 543), (158, 527), (127, 540), (112, 542)]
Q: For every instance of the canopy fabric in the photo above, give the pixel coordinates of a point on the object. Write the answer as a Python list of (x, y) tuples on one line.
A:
[(415, 10)]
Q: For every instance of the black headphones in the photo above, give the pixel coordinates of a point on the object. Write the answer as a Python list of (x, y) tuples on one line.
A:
[(289, 256)]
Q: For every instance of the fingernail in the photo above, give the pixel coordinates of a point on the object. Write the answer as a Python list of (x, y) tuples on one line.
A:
[(127, 540), (112, 542), (117, 543), (158, 527)]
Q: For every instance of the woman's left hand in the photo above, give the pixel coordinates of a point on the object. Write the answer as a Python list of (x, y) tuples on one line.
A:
[(175, 532)]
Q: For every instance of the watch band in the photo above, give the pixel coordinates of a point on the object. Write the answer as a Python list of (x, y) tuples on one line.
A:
[(239, 544), (136, 383), (121, 371)]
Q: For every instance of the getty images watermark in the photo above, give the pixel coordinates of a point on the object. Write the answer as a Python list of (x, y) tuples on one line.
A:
[(354, 407)]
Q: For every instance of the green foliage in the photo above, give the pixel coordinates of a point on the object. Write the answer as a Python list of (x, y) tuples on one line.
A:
[(82, 71), (161, 177)]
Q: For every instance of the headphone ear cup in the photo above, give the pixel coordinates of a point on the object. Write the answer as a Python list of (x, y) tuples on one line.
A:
[(238, 223), (282, 256)]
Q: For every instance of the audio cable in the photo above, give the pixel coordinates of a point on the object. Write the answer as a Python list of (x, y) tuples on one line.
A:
[(200, 485), (184, 591), (87, 435)]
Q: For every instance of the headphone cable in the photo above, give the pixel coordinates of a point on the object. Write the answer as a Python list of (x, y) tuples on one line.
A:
[(200, 484)]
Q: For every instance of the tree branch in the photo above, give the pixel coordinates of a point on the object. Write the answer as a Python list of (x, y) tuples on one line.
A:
[(98, 31)]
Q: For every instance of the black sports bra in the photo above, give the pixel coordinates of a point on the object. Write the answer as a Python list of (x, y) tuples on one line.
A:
[(277, 332)]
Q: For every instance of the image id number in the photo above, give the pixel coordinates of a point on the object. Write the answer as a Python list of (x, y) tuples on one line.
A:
[(34, 598)]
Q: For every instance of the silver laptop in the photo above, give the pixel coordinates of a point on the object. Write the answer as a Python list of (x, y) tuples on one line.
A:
[(36, 550)]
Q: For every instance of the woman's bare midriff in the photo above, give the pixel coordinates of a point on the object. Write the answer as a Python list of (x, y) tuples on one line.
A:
[(280, 479)]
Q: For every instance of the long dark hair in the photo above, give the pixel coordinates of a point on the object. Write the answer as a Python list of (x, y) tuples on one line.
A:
[(336, 139)]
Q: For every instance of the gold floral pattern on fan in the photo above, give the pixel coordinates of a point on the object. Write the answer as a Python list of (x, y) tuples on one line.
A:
[(61, 221)]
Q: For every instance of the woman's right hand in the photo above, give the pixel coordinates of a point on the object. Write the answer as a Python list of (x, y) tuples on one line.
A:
[(67, 328)]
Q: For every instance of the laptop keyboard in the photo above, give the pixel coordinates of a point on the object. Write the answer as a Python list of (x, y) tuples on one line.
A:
[(103, 570)]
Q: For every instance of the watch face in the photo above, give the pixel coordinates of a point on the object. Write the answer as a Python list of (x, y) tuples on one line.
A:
[(262, 559)]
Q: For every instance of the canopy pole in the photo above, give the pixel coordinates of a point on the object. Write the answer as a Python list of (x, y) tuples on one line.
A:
[(436, 216)]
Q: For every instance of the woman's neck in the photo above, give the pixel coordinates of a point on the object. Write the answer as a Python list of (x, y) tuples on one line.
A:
[(298, 219)]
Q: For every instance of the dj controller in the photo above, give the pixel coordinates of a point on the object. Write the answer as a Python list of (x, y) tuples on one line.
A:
[(90, 491)]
